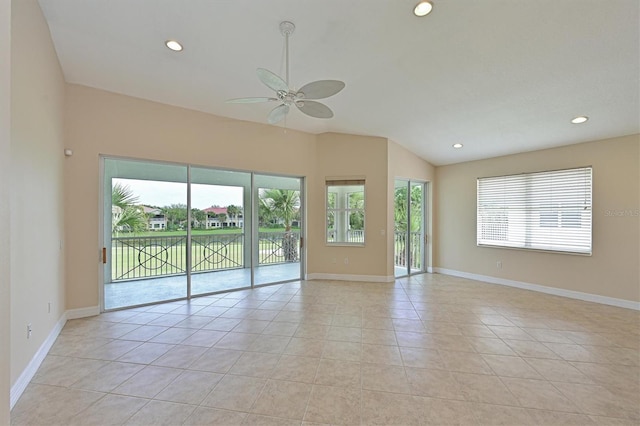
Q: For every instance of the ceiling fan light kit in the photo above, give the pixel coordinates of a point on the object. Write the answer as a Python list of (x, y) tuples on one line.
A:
[(304, 99)]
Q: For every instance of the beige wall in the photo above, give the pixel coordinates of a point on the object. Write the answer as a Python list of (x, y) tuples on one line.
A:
[(340, 155), (404, 164), (611, 271), (5, 175), (99, 122), (36, 200)]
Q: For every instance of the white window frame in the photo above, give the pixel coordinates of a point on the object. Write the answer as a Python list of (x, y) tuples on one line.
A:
[(341, 234), (545, 211)]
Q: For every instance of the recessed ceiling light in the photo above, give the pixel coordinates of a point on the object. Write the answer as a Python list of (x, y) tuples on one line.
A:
[(423, 8), (457, 145), (580, 119), (173, 45)]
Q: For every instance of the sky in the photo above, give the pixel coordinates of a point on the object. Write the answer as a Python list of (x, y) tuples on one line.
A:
[(160, 194)]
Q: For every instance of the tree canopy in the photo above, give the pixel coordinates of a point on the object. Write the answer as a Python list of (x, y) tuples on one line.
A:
[(401, 212)]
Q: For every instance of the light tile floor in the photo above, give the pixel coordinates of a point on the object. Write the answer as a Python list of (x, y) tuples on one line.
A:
[(428, 349)]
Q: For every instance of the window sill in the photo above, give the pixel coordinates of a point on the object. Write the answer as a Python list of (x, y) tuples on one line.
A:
[(345, 244)]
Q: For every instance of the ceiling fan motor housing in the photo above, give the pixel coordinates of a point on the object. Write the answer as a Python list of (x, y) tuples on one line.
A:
[(287, 28)]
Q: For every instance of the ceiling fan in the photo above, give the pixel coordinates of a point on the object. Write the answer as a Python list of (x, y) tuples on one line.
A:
[(304, 99)]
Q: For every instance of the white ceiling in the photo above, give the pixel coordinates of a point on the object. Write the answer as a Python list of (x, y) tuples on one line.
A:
[(499, 76)]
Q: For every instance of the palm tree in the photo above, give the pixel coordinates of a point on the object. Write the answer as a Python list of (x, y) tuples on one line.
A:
[(265, 216), (222, 218), (128, 216), (401, 212), (283, 204), (233, 212)]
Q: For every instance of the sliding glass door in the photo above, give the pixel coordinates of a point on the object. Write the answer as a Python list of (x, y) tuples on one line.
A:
[(409, 237), (145, 233), (278, 200), (220, 236), (177, 231)]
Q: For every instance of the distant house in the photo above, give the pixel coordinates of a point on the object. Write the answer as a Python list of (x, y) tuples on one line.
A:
[(157, 221), (116, 215), (214, 218)]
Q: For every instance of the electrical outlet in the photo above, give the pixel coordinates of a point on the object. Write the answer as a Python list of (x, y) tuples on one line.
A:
[(29, 331), (346, 260), (499, 264), (49, 307)]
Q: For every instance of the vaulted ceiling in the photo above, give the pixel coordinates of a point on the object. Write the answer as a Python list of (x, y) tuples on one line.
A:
[(498, 76)]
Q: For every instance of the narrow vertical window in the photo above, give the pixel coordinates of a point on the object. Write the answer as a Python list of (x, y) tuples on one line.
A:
[(345, 213)]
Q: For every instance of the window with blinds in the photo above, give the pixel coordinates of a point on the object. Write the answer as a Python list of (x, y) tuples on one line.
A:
[(540, 211)]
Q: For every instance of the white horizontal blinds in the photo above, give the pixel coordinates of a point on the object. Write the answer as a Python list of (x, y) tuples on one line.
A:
[(542, 211)]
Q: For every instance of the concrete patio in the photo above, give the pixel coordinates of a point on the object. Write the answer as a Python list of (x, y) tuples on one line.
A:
[(139, 292)]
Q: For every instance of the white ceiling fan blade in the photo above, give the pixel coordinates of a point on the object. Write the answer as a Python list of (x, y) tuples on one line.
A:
[(314, 109), (271, 80), (321, 89), (278, 113), (249, 100)]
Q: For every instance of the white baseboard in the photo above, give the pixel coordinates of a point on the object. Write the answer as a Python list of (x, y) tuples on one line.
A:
[(83, 312), (588, 297), (429, 269), (27, 374), (350, 277)]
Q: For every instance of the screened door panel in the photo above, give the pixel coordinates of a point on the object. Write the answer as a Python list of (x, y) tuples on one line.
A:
[(278, 249), (145, 234), (220, 235)]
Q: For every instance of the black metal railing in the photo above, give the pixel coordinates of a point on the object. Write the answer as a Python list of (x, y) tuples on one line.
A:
[(278, 247), (415, 249), (156, 256), (144, 257), (217, 252)]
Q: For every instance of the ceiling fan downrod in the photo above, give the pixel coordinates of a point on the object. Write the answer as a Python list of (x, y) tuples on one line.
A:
[(286, 29)]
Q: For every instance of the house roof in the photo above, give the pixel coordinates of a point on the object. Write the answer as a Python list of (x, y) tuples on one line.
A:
[(215, 210), (151, 210), (498, 76)]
